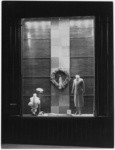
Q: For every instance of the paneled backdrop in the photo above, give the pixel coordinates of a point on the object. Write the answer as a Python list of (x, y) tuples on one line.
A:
[(82, 60), (36, 60)]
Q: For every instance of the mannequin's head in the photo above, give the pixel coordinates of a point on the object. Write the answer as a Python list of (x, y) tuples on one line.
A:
[(34, 95), (77, 77)]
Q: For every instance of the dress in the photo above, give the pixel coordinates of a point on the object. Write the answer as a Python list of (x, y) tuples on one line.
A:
[(78, 89)]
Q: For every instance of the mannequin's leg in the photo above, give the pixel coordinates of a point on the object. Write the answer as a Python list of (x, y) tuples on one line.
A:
[(77, 110), (80, 110)]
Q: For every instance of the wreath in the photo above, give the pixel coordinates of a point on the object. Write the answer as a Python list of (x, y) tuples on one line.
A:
[(64, 83)]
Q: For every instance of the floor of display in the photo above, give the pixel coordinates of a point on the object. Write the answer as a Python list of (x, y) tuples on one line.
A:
[(24, 146), (58, 115)]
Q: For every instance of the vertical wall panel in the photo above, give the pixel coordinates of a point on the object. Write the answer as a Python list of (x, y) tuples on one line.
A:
[(36, 67), (82, 59), (60, 59), (82, 66), (36, 61), (36, 48), (82, 47)]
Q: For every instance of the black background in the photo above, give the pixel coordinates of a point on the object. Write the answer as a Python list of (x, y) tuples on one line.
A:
[(91, 132)]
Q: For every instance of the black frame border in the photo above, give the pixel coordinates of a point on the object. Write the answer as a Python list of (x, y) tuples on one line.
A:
[(94, 132)]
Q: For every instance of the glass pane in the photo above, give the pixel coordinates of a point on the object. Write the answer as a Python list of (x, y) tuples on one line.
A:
[(58, 67)]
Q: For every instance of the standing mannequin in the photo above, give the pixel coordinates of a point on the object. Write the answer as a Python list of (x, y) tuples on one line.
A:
[(78, 91)]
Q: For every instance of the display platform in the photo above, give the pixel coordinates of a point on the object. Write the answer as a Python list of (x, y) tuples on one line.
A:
[(59, 115)]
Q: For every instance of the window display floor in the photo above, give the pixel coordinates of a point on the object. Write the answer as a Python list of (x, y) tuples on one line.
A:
[(59, 115)]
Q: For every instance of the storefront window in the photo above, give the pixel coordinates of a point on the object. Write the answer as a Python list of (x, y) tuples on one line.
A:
[(58, 66)]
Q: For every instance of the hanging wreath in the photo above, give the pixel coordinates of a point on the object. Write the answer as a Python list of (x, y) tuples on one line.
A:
[(60, 78)]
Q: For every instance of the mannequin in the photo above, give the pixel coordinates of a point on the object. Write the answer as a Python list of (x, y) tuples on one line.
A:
[(34, 102), (78, 90)]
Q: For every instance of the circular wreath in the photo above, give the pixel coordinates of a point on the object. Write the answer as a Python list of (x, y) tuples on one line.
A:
[(64, 83)]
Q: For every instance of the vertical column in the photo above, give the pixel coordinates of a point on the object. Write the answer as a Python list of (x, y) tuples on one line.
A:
[(60, 59), (64, 61), (55, 48)]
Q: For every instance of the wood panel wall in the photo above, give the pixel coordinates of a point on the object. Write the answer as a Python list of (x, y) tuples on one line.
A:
[(82, 59), (36, 62)]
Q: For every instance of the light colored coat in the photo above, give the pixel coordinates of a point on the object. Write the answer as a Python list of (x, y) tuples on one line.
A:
[(78, 90)]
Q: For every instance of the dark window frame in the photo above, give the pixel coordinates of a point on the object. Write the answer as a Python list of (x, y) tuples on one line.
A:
[(11, 77)]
